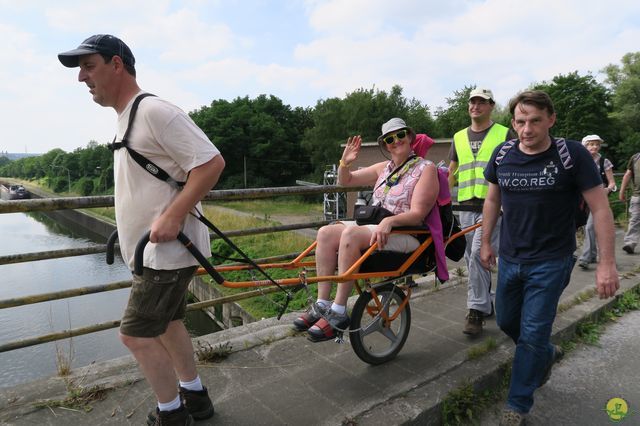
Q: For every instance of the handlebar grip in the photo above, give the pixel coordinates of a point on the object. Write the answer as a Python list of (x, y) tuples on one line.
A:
[(139, 256), (111, 241)]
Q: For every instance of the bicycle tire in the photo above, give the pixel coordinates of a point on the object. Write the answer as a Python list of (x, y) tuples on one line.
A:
[(372, 342)]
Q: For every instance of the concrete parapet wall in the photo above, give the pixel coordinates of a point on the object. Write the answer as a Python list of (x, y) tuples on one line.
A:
[(228, 315)]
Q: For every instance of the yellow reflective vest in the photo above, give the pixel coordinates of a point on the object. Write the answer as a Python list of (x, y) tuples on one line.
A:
[(471, 182)]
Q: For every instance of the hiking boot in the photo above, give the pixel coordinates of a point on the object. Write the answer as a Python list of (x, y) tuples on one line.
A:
[(179, 417), (558, 354), (511, 418), (328, 327), (627, 248), (309, 318), (475, 321), (583, 265), (198, 403)]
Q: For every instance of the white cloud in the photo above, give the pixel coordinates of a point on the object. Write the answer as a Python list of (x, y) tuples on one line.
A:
[(194, 51), (183, 37)]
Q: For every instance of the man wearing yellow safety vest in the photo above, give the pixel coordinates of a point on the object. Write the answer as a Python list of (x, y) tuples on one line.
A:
[(470, 151)]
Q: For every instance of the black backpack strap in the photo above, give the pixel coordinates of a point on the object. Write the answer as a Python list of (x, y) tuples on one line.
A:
[(144, 162), (504, 149), (563, 152), (132, 115), (152, 168), (603, 173)]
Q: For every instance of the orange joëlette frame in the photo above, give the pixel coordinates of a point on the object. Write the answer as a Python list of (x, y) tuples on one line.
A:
[(348, 275)]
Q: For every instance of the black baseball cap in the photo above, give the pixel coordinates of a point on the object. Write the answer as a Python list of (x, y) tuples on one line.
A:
[(100, 43)]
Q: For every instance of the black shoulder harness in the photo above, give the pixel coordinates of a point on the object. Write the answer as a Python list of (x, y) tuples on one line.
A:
[(144, 162)]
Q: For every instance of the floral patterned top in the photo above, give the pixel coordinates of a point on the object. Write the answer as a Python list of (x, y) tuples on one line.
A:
[(395, 195)]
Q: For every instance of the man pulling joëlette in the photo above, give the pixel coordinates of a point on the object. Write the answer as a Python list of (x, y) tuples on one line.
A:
[(152, 326)]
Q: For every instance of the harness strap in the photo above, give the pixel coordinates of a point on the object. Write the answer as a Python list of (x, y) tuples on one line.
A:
[(155, 170), (198, 215)]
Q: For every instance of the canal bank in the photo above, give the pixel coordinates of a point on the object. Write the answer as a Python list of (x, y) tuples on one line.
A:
[(97, 227)]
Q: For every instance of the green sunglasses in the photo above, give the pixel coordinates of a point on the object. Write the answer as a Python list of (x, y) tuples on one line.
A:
[(395, 136)]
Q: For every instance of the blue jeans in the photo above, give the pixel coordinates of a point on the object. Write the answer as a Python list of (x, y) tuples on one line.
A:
[(526, 303)]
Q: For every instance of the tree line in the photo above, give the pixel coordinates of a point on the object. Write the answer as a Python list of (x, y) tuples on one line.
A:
[(268, 143)]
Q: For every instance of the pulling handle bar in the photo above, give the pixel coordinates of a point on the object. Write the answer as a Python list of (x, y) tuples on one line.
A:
[(139, 258), (110, 246)]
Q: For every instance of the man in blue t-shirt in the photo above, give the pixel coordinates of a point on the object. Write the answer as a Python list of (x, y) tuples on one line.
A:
[(537, 182)]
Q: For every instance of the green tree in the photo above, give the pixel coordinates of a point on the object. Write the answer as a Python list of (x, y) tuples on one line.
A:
[(361, 112), (624, 80), (259, 139), (582, 106), (456, 115), (501, 115)]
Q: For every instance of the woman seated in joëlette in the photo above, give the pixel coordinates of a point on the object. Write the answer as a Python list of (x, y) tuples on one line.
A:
[(407, 185)]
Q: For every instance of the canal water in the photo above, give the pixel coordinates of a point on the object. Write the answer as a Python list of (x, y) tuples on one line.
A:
[(35, 232)]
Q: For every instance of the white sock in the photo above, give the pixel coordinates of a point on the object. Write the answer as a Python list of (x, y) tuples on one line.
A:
[(324, 303), (339, 309), (170, 406), (194, 385)]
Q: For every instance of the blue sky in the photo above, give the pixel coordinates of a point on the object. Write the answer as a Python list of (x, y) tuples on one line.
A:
[(193, 52)]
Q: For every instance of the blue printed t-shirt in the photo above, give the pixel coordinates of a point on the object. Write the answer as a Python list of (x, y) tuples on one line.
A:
[(539, 198)]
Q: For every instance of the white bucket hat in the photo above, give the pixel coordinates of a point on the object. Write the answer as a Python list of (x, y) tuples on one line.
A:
[(393, 125)]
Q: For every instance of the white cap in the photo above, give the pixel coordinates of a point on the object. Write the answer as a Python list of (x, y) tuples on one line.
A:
[(481, 93), (591, 138)]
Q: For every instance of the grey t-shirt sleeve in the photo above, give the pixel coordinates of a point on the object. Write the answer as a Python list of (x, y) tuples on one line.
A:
[(453, 155)]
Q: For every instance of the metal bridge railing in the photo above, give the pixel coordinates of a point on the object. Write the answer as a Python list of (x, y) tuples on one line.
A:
[(50, 204)]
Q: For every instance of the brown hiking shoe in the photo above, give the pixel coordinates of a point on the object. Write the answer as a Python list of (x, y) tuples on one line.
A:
[(179, 417), (197, 402), (475, 320), (511, 418)]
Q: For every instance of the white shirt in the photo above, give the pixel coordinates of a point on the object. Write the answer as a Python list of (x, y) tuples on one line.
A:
[(167, 136)]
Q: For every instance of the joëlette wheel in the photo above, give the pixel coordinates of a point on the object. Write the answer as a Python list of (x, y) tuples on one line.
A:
[(372, 339)]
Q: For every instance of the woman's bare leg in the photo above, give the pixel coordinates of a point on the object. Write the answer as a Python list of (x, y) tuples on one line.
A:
[(353, 242), (327, 255)]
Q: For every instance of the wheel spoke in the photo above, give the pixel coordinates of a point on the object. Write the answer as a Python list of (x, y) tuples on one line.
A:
[(372, 327), (389, 334)]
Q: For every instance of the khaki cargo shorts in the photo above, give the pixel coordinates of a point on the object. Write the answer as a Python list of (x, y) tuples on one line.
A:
[(156, 299)]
